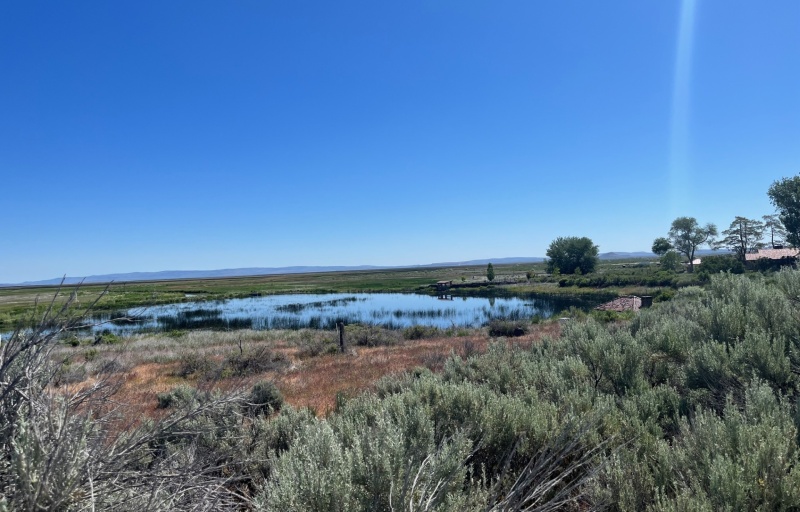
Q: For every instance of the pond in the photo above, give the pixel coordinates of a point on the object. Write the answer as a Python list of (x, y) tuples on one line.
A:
[(322, 311)]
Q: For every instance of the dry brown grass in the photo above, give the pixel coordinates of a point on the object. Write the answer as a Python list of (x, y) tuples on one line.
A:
[(315, 382)]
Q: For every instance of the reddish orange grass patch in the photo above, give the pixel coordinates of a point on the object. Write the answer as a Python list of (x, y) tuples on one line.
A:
[(315, 382)]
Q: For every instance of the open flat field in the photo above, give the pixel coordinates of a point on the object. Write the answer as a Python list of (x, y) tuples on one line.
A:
[(17, 302), (20, 303)]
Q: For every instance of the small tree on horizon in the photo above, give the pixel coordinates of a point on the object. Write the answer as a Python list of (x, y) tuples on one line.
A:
[(490, 272)]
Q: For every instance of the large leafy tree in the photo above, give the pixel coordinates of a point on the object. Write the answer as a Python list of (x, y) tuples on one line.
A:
[(490, 272), (785, 195), (742, 236), (773, 228), (661, 246), (568, 254), (686, 235)]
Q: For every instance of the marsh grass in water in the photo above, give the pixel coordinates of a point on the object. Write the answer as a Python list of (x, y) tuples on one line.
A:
[(391, 311)]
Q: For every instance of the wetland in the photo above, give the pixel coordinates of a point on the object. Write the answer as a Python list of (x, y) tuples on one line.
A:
[(323, 311)]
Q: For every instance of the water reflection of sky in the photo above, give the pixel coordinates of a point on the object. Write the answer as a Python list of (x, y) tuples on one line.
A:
[(392, 310)]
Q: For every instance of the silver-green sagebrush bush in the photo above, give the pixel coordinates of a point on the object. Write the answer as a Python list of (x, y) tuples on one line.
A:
[(71, 449)]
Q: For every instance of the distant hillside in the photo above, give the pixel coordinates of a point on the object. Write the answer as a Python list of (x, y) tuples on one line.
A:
[(643, 254), (167, 275), (625, 255), (493, 261)]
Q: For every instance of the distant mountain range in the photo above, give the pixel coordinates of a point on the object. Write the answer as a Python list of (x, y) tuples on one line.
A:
[(167, 275)]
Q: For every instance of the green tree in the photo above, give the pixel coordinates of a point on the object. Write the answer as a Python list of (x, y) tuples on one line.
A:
[(661, 246), (785, 195), (723, 263), (568, 254), (774, 228), (686, 235), (742, 236), (670, 261), (490, 272)]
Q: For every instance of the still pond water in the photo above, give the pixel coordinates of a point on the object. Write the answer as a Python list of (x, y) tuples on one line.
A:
[(317, 311)]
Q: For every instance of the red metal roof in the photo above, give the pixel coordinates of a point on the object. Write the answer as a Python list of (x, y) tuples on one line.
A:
[(773, 254)]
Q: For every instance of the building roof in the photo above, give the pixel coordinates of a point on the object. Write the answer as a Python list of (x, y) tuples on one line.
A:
[(622, 304), (773, 254)]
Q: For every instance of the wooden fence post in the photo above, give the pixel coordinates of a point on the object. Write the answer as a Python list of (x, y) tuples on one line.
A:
[(340, 328)]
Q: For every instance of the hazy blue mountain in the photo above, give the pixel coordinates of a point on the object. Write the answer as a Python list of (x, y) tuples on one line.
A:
[(625, 255), (494, 261), (166, 275)]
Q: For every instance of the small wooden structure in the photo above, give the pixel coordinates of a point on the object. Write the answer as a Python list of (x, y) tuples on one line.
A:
[(442, 289)]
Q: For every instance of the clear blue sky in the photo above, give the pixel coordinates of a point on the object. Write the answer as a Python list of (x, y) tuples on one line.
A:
[(145, 136)]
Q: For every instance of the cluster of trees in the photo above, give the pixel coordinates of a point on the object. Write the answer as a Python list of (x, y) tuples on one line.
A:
[(685, 236), (744, 235), (568, 255)]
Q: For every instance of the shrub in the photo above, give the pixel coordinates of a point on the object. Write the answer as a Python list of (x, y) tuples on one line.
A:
[(418, 332), (507, 328), (265, 398), (111, 366), (318, 346), (370, 336), (106, 338), (746, 459), (68, 449), (725, 263), (193, 364), (609, 316), (90, 355), (254, 361), (70, 373), (180, 396), (312, 475)]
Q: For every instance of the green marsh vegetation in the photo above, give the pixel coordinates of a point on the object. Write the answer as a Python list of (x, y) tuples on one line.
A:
[(19, 303), (609, 280), (690, 405)]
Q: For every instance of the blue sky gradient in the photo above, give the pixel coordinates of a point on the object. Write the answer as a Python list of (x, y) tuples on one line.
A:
[(146, 136)]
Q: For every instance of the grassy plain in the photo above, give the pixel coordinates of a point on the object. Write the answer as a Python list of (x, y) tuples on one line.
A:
[(15, 302), (27, 303), (308, 370)]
